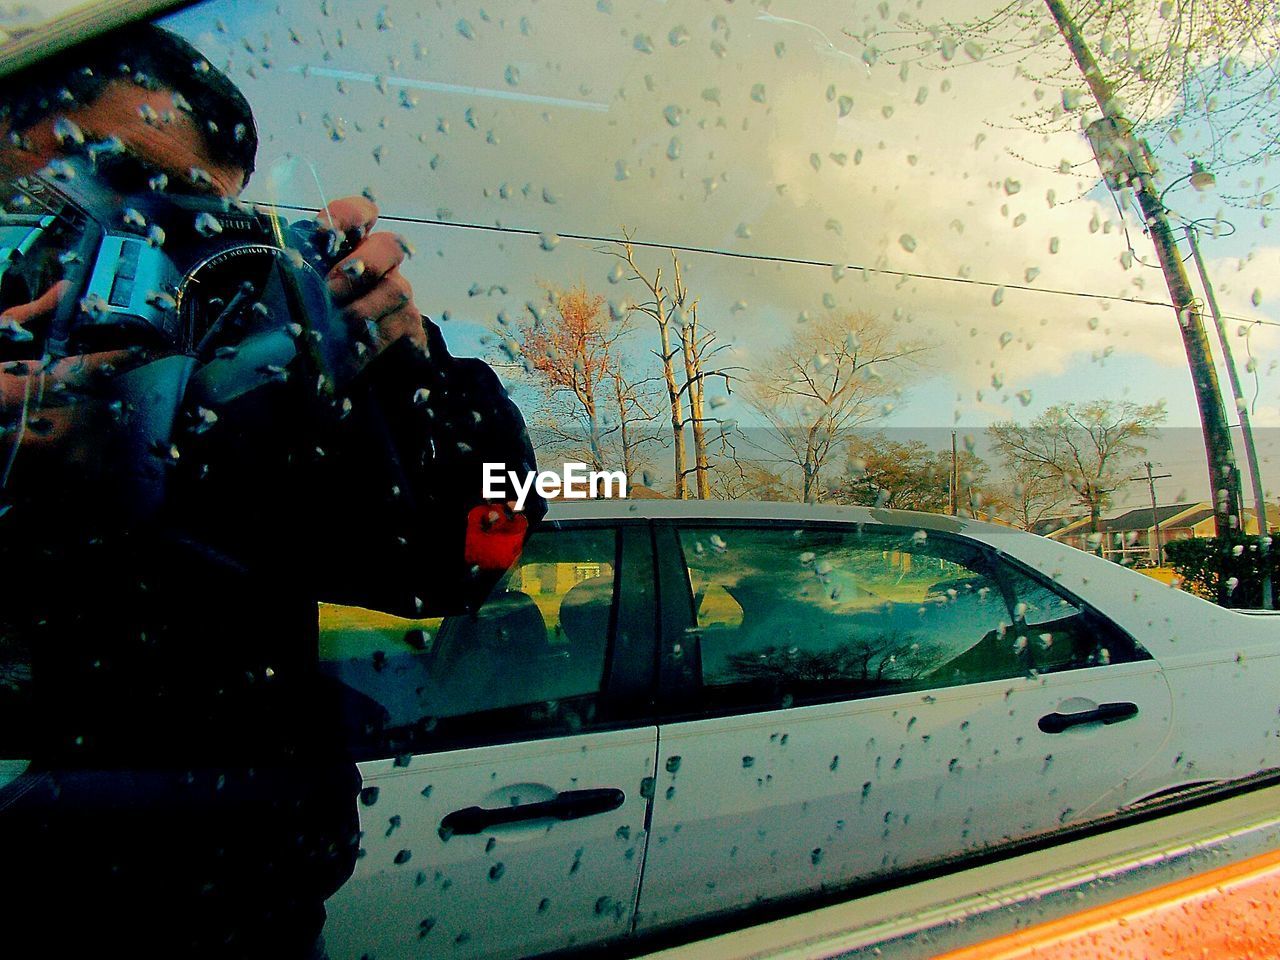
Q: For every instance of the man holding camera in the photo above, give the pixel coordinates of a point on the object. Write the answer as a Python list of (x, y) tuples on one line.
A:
[(190, 793)]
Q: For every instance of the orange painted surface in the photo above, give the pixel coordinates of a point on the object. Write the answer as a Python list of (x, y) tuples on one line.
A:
[(1163, 574), (1228, 912)]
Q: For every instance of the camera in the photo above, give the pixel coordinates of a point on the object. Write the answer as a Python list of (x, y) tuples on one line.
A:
[(222, 307), (176, 273)]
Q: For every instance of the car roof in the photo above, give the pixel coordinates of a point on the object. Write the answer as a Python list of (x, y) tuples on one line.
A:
[(1135, 602), (752, 510)]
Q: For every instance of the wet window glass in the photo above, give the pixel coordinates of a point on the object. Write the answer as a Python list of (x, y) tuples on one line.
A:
[(529, 662), (1061, 634), (280, 283), (794, 615), (787, 615)]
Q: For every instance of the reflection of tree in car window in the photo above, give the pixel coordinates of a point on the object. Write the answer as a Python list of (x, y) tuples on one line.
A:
[(1059, 634), (873, 661), (870, 611)]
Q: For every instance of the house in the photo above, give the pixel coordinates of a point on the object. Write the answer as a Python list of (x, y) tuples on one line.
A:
[(1130, 537)]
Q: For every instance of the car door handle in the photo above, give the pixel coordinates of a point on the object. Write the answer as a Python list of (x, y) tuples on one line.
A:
[(1105, 713), (569, 805)]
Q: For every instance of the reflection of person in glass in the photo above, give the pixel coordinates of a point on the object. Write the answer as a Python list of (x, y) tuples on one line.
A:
[(180, 485)]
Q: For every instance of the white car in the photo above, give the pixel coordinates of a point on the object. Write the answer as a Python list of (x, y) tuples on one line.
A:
[(674, 711)]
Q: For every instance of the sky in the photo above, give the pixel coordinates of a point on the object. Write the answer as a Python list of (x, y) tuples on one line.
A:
[(785, 136)]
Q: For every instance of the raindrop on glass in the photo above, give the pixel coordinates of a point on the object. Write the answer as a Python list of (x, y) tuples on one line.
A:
[(66, 132), (207, 225)]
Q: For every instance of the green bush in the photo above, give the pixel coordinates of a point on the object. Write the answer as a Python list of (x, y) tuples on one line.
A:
[(1229, 571)]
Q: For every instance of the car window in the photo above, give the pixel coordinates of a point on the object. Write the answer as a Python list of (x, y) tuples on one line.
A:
[(1061, 633), (785, 615), (528, 662)]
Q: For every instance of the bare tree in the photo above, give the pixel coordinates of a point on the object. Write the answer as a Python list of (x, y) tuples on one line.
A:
[(738, 478), (693, 382), (1170, 67), (598, 396), (833, 376), (698, 347), (1088, 447), (660, 308), (570, 349), (1030, 495), (634, 406), (674, 311)]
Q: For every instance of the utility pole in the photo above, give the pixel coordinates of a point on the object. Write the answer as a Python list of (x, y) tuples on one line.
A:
[(1242, 408), (955, 476), (1224, 480), (1155, 515)]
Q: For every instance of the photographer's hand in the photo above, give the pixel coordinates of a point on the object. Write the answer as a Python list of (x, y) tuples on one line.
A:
[(27, 315), (58, 414), (367, 284)]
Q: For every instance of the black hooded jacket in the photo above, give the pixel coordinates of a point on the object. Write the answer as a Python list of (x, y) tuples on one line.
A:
[(188, 751)]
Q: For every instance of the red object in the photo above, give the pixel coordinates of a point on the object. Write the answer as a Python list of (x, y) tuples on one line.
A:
[(1228, 913), (495, 536)]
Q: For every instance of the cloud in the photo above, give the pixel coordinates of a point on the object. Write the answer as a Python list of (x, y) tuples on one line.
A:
[(768, 137)]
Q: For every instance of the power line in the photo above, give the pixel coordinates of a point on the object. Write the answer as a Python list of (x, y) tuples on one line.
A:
[(767, 258), (738, 255), (1250, 320)]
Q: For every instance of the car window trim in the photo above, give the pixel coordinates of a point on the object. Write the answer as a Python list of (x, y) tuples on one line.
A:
[(679, 677), (993, 556), (82, 23), (629, 688)]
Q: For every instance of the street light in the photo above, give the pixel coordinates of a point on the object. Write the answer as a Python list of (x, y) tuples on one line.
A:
[(1130, 159), (1201, 178), (1242, 406), (1126, 162)]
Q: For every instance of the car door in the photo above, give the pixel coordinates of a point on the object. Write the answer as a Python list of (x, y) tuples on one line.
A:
[(504, 799), (856, 701)]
